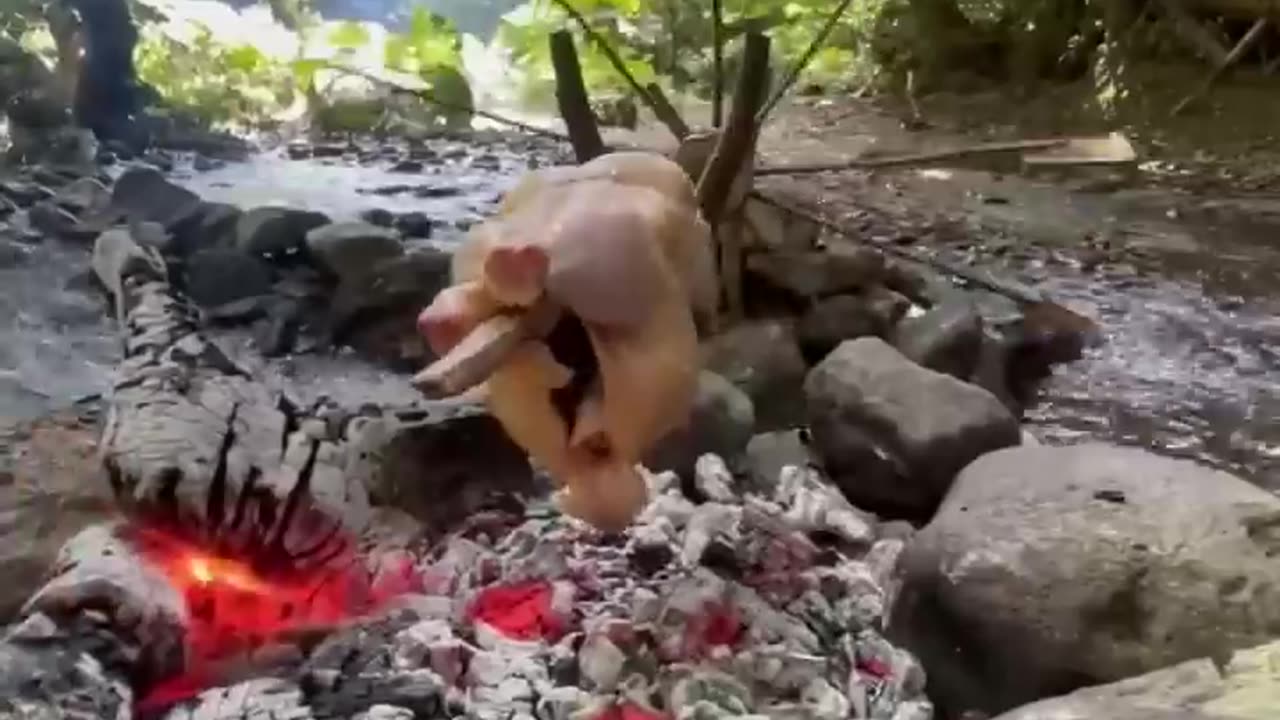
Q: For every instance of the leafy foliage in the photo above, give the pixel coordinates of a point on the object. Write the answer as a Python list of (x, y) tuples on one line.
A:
[(219, 80), (213, 81)]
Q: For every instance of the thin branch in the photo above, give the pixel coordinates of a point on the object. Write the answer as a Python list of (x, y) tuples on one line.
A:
[(679, 128), (804, 60), (1246, 43), (432, 98), (666, 112), (739, 134), (717, 55)]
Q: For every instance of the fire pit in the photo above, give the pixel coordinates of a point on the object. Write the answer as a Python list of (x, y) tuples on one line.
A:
[(245, 579), (737, 605)]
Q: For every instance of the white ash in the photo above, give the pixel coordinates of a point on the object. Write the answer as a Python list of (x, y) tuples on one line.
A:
[(739, 605)]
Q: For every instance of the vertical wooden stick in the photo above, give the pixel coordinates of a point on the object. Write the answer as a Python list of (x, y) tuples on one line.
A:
[(679, 129), (717, 56), (571, 95), (737, 141)]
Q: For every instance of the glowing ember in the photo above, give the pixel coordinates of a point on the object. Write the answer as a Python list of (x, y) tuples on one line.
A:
[(234, 609)]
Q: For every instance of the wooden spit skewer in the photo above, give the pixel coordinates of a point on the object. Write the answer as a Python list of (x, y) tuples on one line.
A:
[(483, 351)]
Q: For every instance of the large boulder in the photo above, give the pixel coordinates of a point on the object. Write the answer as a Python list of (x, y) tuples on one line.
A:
[(1248, 688), (872, 410), (1051, 568), (763, 359)]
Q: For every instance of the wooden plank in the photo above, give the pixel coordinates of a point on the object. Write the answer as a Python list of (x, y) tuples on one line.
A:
[(1113, 149), (920, 158)]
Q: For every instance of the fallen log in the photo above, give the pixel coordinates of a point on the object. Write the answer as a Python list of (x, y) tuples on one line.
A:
[(102, 625)]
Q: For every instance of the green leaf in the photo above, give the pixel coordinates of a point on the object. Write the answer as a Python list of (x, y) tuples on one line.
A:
[(245, 58), (349, 35)]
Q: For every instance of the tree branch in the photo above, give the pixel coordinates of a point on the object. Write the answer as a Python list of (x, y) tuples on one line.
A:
[(805, 59), (1246, 43), (430, 97), (678, 128), (666, 112), (571, 95)]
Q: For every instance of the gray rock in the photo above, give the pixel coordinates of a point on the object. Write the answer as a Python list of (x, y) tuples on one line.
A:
[(763, 359), (378, 216), (948, 338), (848, 317), (917, 281), (275, 232), (204, 164), (24, 194), (144, 193), (12, 253), (469, 454), (992, 371), (1248, 688), (207, 225), (50, 219), (220, 276), (1069, 566), (866, 400), (386, 712), (84, 195), (351, 249), (415, 224), (377, 312), (721, 423), (768, 453), (818, 273)]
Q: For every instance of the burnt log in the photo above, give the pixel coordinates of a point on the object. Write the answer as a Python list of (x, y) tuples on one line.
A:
[(196, 444), (101, 626)]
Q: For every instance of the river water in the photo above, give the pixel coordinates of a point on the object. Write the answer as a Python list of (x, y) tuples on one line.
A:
[(1189, 301), (1187, 291)]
